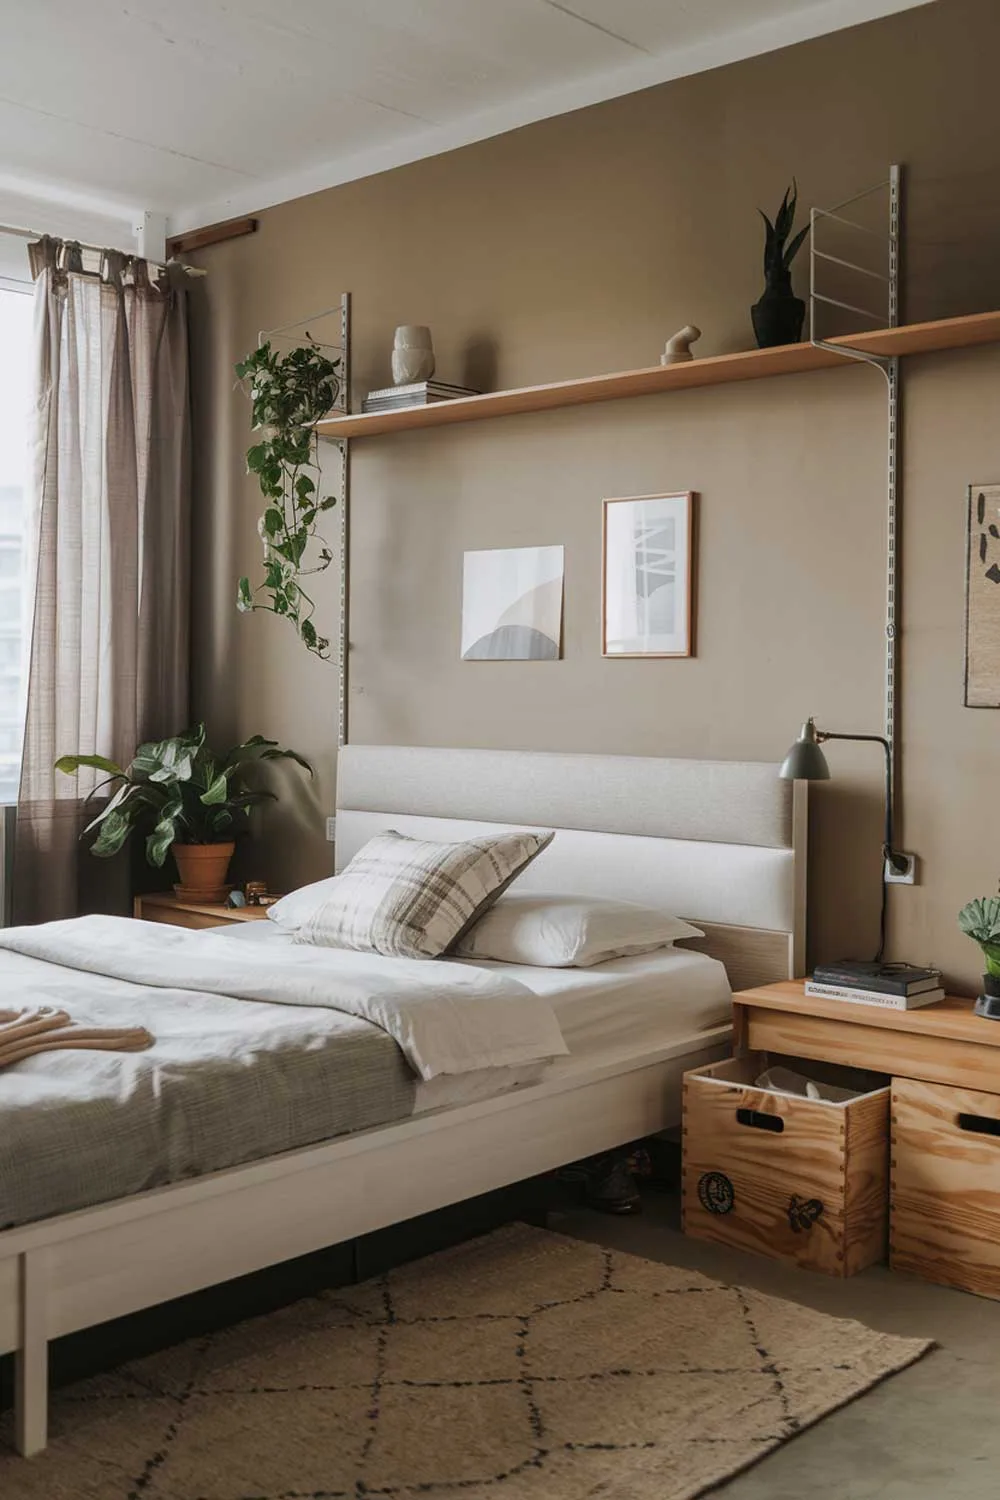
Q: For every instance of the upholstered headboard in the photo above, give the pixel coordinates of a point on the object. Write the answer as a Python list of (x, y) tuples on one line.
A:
[(722, 843)]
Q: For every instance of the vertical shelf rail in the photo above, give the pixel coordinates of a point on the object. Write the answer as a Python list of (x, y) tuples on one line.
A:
[(344, 633), (886, 314)]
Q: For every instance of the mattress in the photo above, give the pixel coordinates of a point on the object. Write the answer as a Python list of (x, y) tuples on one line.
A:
[(614, 1014)]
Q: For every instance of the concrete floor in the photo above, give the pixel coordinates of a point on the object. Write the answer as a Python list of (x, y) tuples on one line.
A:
[(929, 1433)]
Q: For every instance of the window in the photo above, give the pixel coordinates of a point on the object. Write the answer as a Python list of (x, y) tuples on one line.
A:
[(15, 363)]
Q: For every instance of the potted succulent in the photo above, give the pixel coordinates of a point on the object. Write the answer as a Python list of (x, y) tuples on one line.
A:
[(191, 802), (980, 920), (777, 316)]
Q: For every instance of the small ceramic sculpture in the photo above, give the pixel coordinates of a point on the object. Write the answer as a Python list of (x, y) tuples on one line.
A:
[(678, 348), (412, 354)]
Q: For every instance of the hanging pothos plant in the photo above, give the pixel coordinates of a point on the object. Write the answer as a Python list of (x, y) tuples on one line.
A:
[(288, 393)]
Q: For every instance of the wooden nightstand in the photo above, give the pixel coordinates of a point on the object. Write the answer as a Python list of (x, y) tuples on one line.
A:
[(166, 907), (944, 1064), (943, 1043)]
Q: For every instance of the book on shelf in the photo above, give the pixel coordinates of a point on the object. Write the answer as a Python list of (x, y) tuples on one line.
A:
[(421, 387), (419, 393), (407, 405), (854, 996), (882, 978)]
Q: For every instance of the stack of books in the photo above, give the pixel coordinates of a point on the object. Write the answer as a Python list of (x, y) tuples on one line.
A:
[(421, 393), (893, 986)]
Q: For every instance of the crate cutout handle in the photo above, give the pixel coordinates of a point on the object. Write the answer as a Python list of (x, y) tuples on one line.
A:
[(979, 1124), (757, 1120)]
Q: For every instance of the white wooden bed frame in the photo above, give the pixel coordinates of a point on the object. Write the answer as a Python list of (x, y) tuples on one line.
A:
[(722, 843)]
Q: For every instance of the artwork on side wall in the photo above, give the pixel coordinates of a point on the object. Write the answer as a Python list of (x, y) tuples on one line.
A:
[(982, 598), (512, 600), (648, 576)]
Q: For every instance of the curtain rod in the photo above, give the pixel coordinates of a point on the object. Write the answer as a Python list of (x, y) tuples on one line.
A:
[(34, 234)]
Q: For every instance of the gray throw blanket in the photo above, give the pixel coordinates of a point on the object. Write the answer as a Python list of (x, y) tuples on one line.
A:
[(251, 1056)]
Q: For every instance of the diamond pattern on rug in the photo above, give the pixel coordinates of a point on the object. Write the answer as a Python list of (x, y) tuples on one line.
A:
[(523, 1366)]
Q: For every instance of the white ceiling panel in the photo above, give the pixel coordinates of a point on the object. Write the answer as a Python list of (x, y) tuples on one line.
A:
[(71, 154), (205, 108), (653, 26)]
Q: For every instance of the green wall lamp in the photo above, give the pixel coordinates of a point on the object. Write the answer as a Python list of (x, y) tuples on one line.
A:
[(805, 761)]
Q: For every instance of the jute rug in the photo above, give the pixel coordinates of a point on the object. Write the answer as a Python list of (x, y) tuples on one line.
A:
[(524, 1366)]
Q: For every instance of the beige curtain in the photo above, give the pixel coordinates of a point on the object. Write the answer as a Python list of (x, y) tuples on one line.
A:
[(108, 512)]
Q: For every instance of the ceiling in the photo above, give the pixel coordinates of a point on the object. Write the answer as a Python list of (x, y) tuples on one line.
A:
[(205, 109)]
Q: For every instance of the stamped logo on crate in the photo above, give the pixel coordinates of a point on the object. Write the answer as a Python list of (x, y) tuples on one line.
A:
[(715, 1193), (803, 1213)]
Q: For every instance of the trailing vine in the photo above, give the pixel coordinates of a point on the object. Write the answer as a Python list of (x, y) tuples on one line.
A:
[(287, 394)]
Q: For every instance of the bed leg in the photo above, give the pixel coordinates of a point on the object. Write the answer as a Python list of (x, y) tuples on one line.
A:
[(31, 1360)]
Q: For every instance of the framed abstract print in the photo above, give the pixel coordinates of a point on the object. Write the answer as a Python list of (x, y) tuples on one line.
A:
[(512, 603), (648, 582), (982, 598)]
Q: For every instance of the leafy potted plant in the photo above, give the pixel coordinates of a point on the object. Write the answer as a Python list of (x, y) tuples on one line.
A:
[(777, 316), (980, 920), (191, 802), (288, 393)]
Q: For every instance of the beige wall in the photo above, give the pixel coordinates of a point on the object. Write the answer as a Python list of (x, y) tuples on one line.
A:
[(577, 245)]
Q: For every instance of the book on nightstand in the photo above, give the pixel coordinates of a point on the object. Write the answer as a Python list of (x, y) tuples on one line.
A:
[(895, 986), (873, 997)]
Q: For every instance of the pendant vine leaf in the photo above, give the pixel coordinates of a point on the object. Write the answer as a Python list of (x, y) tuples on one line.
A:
[(288, 393)]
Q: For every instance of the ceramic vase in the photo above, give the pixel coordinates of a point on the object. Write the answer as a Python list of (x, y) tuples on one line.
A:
[(412, 354)]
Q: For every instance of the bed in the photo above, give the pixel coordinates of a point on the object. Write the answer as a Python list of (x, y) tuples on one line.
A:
[(721, 843)]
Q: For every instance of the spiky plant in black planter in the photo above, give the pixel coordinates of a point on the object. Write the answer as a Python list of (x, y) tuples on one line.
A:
[(777, 317)]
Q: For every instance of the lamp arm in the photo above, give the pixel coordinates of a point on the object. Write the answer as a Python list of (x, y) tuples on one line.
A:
[(888, 850)]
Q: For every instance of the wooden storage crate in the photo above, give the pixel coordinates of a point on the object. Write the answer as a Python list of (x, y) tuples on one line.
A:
[(800, 1180), (945, 1213)]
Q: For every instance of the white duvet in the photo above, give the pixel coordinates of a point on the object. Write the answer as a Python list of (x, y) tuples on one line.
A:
[(446, 1018)]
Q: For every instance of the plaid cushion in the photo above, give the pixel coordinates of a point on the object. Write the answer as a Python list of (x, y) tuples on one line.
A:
[(411, 898)]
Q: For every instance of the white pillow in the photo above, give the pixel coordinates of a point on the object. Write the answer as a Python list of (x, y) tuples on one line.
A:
[(568, 932), (298, 906), (415, 898)]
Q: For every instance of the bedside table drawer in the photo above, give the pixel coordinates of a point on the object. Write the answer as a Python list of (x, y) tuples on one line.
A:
[(163, 907), (945, 1209), (177, 918)]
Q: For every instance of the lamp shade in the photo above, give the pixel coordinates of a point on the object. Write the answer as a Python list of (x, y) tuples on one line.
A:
[(805, 761)]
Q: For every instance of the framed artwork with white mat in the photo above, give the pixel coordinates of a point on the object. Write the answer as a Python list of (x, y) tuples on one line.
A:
[(648, 576)]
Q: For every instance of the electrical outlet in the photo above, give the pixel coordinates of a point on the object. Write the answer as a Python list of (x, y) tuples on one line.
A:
[(331, 830), (905, 877)]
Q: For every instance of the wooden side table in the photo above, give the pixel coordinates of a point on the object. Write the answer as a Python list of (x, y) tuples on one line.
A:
[(164, 906), (944, 1063), (942, 1043)]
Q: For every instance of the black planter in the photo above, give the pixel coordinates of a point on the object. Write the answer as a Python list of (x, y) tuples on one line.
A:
[(988, 1003), (778, 317)]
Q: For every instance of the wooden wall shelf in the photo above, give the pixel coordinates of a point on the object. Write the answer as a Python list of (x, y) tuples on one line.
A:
[(719, 369)]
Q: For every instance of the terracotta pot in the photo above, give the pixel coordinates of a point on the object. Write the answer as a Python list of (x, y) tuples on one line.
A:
[(203, 869)]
